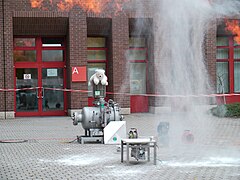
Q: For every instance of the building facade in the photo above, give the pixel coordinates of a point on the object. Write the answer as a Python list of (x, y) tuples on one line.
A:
[(47, 57)]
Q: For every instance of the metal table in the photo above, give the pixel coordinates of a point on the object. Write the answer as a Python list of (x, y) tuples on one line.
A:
[(141, 142)]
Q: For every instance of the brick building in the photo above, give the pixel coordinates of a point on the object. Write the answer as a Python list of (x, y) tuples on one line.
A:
[(40, 48)]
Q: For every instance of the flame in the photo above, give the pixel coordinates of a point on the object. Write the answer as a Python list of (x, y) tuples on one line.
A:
[(36, 3), (93, 5), (96, 6), (65, 5), (233, 27)]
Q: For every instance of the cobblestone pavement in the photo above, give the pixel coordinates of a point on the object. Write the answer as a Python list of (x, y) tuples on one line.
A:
[(44, 148)]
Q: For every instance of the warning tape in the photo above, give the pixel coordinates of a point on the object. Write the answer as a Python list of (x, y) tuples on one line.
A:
[(162, 95), (126, 94), (21, 89), (67, 90)]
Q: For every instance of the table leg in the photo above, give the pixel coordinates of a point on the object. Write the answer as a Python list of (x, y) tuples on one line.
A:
[(148, 150), (121, 151), (155, 153), (127, 153)]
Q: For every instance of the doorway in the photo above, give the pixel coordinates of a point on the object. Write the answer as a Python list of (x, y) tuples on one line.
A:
[(40, 76)]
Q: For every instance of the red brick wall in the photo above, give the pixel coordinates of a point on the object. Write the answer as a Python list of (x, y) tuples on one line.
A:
[(120, 75), (210, 53), (9, 71), (77, 55), (2, 100)]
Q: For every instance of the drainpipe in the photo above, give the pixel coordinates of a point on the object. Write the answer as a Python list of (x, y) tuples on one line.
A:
[(4, 62)]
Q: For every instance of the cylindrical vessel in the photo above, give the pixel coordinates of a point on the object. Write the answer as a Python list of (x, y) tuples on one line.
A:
[(91, 117)]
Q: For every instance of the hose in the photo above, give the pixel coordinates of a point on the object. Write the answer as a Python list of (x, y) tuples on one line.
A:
[(14, 141)]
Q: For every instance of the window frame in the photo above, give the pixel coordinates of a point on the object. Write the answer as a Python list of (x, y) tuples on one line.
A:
[(39, 48), (231, 47), (92, 61), (140, 61), (40, 65)]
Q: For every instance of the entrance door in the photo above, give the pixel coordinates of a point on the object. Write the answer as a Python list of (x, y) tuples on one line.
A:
[(52, 96), (28, 95), (40, 78), (39, 94)]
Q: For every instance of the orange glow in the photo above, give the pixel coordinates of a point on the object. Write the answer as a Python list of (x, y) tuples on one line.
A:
[(233, 27), (96, 6), (65, 5), (36, 3)]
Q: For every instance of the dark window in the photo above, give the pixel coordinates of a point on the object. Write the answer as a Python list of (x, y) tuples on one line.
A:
[(52, 42)]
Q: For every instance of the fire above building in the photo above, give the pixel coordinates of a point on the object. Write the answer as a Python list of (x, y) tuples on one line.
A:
[(233, 27), (95, 6)]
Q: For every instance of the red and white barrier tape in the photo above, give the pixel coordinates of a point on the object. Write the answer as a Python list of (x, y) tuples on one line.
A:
[(22, 89), (67, 90), (128, 94)]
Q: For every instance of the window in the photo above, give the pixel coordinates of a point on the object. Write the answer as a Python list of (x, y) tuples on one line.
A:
[(52, 42), (52, 49), (96, 42), (24, 50), (222, 64), (137, 56), (138, 78), (137, 42), (97, 56), (24, 55), (222, 77), (24, 42), (236, 65), (52, 55), (227, 65)]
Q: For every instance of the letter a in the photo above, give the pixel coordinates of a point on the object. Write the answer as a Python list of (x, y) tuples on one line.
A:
[(75, 70)]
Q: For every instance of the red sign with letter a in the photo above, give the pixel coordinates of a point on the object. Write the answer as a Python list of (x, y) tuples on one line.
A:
[(79, 74)]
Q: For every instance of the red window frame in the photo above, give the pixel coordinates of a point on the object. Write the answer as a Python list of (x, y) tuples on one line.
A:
[(39, 48), (91, 99), (39, 64), (141, 61), (138, 102), (230, 60)]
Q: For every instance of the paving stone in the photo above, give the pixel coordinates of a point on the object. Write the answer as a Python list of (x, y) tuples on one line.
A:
[(48, 153)]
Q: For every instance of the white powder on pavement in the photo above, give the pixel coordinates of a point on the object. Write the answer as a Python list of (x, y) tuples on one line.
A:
[(210, 162), (76, 160)]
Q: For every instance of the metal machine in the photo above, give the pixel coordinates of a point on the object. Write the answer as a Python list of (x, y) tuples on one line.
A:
[(95, 119), (137, 151)]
